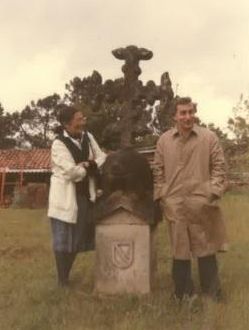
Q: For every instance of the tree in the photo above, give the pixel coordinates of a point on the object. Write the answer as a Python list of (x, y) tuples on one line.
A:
[(88, 95), (121, 112), (36, 121), (163, 118), (103, 105), (239, 125), (6, 134)]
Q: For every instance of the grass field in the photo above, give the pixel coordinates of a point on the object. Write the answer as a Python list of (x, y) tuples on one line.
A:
[(30, 299)]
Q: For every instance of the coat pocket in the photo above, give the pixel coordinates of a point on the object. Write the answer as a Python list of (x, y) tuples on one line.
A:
[(201, 210), (194, 208), (62, 194)]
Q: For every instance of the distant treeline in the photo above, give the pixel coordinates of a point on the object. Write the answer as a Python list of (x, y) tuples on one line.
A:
[(33, 126)]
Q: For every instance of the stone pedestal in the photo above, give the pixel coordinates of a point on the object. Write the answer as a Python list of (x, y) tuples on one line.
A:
[(123, 254)]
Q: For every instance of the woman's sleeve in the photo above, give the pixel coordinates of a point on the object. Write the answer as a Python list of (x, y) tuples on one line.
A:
[(99, 155), (62, 159)]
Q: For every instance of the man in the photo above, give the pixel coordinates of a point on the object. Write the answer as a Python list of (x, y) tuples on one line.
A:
[(190, 178)]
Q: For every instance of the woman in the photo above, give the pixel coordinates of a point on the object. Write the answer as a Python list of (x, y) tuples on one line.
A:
[(75, 158)]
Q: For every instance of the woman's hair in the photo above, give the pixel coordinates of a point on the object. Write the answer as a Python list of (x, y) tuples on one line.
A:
[(65, 114)]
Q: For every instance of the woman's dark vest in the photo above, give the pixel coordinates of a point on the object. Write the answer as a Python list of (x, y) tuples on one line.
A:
[(79, 156)]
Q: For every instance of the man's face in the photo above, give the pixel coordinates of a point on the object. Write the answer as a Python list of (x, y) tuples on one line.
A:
[(185, 117), (77, 124)]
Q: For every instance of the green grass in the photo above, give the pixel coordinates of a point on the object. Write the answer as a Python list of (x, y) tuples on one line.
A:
[(30, 299)]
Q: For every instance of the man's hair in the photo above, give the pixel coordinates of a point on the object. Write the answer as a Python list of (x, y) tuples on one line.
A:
[(183, 101)]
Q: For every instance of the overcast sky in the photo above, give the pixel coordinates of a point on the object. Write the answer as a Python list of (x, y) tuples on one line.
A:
[(204, 45)]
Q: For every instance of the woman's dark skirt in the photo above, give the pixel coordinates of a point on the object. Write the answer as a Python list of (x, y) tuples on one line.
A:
[(76, 237)]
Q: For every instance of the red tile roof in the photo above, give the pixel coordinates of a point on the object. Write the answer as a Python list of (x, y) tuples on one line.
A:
[(38, 160), (34, 160)]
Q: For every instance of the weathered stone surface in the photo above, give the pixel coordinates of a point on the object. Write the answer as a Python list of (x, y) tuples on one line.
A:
[(123, 255), (127, 184)]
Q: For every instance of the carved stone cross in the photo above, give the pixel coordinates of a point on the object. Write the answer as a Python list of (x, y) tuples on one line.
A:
[(134, 92)]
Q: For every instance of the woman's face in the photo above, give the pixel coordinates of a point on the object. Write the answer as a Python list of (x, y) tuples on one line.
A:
[(76, 124)]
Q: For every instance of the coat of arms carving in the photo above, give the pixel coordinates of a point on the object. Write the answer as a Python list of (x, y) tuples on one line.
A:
[(122, 253)]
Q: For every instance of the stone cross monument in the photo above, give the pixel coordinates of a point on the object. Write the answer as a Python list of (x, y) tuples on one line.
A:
[(125, 224)]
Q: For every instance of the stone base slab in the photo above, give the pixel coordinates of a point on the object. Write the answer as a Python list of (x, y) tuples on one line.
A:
[(123, 258)]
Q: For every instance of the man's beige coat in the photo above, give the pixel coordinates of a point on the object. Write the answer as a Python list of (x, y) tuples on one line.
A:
[(190, 178)]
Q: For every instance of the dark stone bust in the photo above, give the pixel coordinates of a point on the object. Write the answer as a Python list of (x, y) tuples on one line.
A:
[(127, 184)]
